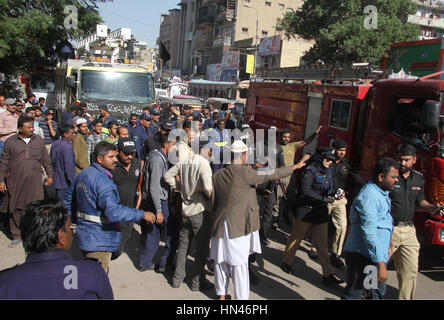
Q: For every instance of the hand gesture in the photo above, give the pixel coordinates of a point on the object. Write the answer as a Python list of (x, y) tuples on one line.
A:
[(3, 187), (49, 182), (159, 217), (150, 217), (319, 130), (301, 162)]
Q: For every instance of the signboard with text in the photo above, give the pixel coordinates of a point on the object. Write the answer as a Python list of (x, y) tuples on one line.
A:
[(270, 46)]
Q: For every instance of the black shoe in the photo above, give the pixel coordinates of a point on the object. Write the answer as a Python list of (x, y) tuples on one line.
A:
[(145, 269), (313, 255), (254, 279), (203, 286), (161, 269), (336, 261), (331, 280), (286, 268)]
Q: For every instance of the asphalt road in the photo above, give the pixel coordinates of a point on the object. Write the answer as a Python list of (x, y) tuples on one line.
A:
[(129, 283)]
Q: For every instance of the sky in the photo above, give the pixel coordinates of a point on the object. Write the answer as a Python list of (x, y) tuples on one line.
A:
[(141, 16)]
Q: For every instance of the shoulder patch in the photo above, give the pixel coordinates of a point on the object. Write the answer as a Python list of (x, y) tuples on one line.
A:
[(417, 172)]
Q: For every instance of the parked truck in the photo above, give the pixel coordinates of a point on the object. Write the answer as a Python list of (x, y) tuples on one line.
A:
[(124, 88), (374, 117)]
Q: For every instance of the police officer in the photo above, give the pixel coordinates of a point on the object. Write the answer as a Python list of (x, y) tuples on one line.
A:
[(343, 172), (316, 190), (50, 272), (407, 196)]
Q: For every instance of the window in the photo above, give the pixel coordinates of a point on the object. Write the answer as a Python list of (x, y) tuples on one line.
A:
[(281, 6), (245, 31), (406, 121), (340, 114), (267, 4), (264, 34)]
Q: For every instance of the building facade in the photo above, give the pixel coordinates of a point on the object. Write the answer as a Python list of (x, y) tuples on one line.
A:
[(430, 17), (222, 32), (169, 36)]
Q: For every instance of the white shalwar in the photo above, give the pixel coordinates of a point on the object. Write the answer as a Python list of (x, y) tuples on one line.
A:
[(231, 259)]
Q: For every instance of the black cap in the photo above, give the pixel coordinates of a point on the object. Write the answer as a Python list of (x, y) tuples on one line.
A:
[(327, 152), (339, 144), (155, 112), (167, 126), (126, 145)]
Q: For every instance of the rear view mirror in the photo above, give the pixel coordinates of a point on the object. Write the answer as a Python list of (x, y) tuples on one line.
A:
[(430, 115), (71, 82)]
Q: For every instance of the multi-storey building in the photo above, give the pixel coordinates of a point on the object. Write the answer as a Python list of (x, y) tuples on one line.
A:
[(169, 36), (225, 31), (430, 16)]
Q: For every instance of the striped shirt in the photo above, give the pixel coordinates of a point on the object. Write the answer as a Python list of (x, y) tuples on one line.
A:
[(91, 141), (48, 138)]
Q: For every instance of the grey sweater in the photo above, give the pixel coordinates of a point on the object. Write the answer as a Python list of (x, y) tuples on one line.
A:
[(156, 187)]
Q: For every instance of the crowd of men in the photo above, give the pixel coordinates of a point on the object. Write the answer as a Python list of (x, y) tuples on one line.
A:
[(100, 177)]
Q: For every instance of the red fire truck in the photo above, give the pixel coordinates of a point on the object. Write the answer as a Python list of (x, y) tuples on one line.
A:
[(373, 116)]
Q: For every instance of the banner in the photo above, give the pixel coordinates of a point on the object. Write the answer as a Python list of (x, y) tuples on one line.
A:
[(250, 64), (270, 46)]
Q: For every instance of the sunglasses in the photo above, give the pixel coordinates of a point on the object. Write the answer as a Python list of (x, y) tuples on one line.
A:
[(133, 153)]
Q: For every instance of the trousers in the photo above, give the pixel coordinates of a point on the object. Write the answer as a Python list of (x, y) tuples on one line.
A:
[(279, 205), (338, 212), (153, 234), (240, 276), (196, 227), (14, 224), (356, 278), (319, 234), (102, 256), (404, 249)]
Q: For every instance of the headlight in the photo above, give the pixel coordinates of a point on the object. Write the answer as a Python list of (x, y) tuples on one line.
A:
[(441, 234)]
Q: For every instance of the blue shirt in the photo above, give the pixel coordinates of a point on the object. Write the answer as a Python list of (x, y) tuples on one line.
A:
[(48, 137), (371, 224), (44, 276), (63, 161), (139, 134), (68, 118)]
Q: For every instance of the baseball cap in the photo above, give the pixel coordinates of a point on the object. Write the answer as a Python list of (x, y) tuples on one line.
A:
[(145, 116), (49, 111), (216, 111), (127, 145), (155, 112)]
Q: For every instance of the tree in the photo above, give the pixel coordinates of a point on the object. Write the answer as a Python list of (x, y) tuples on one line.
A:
[(340, 28), (31, 30)]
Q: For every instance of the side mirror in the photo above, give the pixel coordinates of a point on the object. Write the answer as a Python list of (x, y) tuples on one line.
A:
[(70, 82), (430, 115)]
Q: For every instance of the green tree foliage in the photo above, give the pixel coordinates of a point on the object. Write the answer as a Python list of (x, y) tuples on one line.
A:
[(30, 30), (338, 28)]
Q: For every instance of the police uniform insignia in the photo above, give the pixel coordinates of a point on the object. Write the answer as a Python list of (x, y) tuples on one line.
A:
[(418, 173), (137, 172)]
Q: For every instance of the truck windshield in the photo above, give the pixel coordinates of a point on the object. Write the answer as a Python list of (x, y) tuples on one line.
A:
[(42, 82), (117, 86)]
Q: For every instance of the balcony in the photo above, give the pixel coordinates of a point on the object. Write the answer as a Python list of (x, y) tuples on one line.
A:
[(222, 41), (426, 22), (431, 5), (206, 15), (204, 42)]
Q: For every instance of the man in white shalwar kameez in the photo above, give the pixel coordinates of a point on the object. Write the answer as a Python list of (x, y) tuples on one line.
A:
[(235, 223)]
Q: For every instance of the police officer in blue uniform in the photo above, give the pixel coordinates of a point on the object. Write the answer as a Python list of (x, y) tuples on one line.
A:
[(50, 272), (141, 132), (315, 192)]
